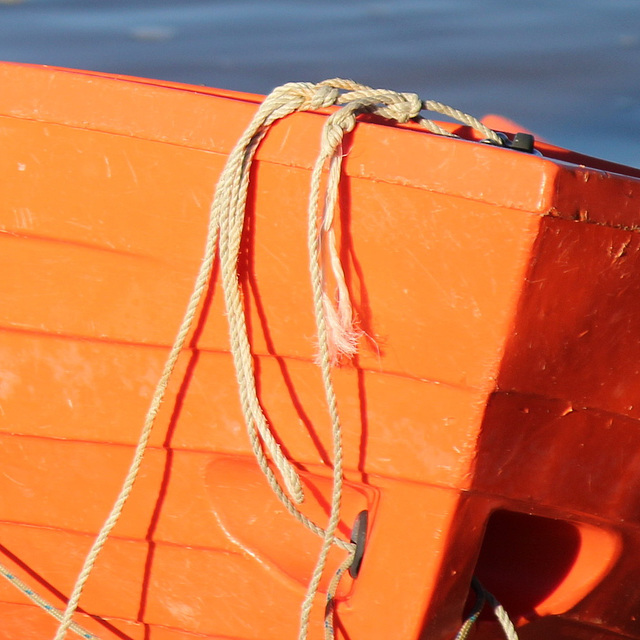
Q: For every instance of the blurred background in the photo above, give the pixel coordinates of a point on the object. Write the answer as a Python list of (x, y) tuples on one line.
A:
[(567, 69)]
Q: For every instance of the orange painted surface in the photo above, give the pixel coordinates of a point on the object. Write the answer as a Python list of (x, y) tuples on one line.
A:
[(490, 420)]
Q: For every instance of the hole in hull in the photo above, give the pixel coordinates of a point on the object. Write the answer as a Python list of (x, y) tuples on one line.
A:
[(525, 559)]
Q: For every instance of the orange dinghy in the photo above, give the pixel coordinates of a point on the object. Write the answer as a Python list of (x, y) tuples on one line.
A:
[(487, 425)]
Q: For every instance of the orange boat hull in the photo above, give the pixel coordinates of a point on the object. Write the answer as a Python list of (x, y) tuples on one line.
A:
[(490, 419)]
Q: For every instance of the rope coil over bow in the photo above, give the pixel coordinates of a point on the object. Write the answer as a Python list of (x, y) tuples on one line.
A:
[(337, 332)]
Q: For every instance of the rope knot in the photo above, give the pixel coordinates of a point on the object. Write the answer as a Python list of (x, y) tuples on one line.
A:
[(400, 107), (339, 123), (322, 96)]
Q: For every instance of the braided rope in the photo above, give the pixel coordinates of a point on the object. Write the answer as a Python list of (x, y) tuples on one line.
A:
[(42, 603), (465, 118)]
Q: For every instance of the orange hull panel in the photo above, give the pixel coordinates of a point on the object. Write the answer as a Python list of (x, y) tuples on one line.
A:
[(489, 420)]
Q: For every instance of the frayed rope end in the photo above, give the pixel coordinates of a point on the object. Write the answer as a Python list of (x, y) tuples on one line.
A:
[(343, 334)]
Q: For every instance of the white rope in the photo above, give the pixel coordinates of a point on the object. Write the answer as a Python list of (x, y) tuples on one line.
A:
[(502, 617), (465, 118), (336, 332)]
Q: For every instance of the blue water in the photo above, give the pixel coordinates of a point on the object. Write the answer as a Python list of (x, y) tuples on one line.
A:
[(568, 69)]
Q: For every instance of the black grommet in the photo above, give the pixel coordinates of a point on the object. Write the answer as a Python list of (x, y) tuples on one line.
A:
[(359, 538)]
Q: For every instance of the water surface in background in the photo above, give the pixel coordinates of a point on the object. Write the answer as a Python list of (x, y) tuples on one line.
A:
[(568, 69)]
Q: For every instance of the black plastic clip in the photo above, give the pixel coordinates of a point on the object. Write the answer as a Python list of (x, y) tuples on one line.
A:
[(521, 142), (359, 538)]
